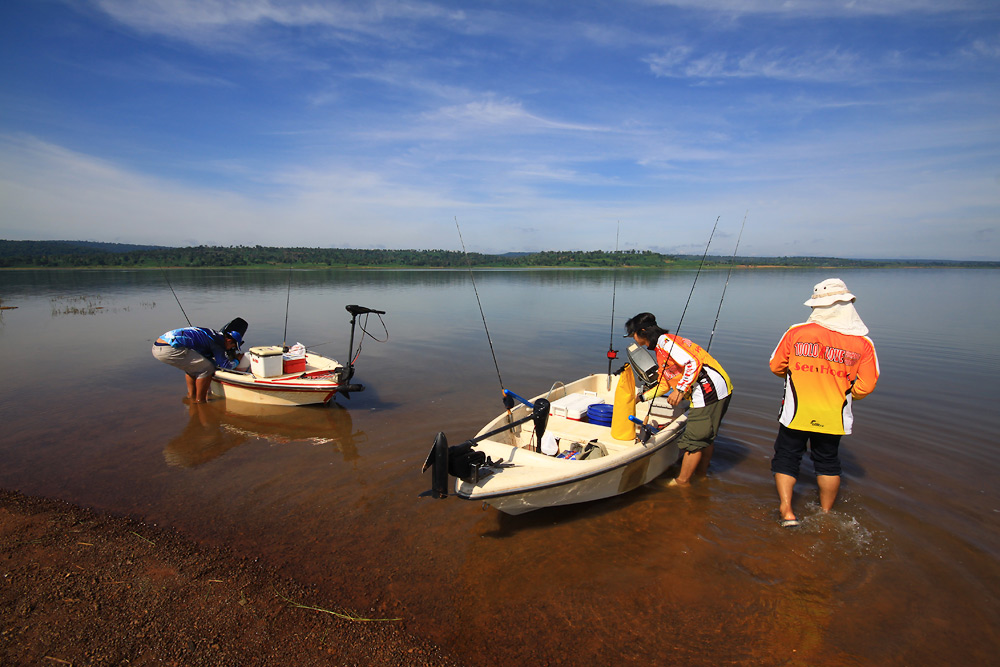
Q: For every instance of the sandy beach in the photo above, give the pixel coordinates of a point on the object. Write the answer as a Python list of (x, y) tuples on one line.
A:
[(81, 588)]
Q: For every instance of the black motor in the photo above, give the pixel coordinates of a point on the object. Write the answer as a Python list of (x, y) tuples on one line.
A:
[(238, 325), (460, 461)]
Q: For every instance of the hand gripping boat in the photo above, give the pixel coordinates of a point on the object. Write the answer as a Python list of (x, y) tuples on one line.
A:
[(273, 380), (543, 453)]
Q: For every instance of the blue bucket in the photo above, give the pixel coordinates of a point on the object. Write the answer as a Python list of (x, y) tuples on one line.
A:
[(600, 413)]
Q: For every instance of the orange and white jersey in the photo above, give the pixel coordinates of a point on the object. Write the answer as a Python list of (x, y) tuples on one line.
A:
[(686, 366), (824, 371)]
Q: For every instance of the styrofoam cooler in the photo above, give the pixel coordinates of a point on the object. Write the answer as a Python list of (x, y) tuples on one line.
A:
[(266, 361)]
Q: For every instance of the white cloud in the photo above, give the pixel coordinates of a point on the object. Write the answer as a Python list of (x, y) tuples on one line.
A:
[(822, 66), (506, 113), (201, 21), (826, 8)]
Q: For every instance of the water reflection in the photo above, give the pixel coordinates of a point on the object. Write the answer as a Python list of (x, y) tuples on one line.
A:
[(656, 576), (215, 427)]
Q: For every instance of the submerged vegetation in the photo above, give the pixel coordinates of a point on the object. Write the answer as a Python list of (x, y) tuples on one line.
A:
[(86, 254)]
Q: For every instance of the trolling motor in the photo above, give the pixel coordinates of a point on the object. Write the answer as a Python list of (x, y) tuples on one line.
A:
[(471, 465), (347, 372)]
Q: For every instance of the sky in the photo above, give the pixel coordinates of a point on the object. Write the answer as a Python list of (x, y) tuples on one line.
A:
[(858, 129)]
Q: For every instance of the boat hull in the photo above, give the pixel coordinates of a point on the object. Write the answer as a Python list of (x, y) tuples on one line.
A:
[(531, 480), (317, 384)]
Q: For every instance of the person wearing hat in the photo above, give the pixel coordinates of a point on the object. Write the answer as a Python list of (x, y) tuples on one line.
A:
[(827, 362), (686, 371), (199, 351)]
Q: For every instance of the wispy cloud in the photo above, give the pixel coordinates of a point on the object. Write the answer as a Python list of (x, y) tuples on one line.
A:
[(826, 8), (820, 66), (986, 48), (197, 20), (356, 123), (507, 114)]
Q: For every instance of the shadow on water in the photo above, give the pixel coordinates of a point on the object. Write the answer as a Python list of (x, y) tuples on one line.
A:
[(729, 454)]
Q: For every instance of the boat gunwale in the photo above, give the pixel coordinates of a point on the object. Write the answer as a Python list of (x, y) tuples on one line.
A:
[(627, 460), (628, 456)]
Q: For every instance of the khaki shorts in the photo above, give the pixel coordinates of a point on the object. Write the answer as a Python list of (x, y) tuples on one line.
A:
[(189, 361), (703, 425)]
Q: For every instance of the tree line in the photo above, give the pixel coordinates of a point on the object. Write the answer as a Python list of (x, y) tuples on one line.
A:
[(88, 254)]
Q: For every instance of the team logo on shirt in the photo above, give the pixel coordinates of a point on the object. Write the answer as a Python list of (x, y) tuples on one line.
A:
[(834, 355)]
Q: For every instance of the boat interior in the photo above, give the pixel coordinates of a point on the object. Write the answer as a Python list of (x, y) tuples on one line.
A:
[(575, 434)]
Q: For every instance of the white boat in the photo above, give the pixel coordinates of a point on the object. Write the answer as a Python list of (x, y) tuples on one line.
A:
[(504, 465), (316, 382), (271, 378)]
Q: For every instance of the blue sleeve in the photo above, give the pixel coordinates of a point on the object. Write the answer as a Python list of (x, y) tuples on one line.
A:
[(205, 342)]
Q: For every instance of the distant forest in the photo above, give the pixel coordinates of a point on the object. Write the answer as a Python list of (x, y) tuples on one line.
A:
[(88, 254)]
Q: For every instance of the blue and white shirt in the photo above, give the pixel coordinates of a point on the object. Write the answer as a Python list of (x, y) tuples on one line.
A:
[(207, 342)]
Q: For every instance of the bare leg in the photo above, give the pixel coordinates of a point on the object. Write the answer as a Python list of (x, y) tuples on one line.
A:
[(706, 458), (784, 484), (688, 465), (829, 485), (192, 392), (202, 385)]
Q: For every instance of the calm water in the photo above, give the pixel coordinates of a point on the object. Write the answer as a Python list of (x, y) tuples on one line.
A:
[(904, 572)]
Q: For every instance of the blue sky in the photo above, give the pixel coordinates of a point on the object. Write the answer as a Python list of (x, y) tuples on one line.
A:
[(852, 129)]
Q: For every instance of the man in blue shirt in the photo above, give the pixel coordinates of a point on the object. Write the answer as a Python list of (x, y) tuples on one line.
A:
[(199, 351)]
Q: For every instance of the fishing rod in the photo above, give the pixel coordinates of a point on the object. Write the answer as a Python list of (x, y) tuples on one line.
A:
[(288, 298), (728, 276), (697, 273), (612, 352), (645, 424), (175, 295), (507, 401)]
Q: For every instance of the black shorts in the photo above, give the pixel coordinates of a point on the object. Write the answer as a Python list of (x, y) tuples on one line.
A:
[(790, 445)]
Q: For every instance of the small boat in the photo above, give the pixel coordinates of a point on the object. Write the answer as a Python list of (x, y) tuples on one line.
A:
[(556, 449), (271, 378)]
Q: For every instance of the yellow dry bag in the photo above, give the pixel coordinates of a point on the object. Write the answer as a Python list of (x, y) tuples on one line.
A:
[(621, 427)]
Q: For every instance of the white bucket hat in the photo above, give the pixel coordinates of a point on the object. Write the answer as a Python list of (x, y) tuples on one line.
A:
[(829, 292)]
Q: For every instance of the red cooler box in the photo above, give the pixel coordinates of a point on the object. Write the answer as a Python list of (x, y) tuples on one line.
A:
[(297, 365)]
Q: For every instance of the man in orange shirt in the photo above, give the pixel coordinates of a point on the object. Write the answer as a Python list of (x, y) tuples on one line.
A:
[(827, 362)]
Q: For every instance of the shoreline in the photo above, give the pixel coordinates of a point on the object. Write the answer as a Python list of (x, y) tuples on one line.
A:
[(83, 587)]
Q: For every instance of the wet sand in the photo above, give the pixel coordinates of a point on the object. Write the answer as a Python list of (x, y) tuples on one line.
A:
[(80, 588)]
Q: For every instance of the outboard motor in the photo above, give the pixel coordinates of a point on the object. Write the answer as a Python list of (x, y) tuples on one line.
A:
[(437, 461), (468, 464), (238, 324), (460, 461), (643, 364)]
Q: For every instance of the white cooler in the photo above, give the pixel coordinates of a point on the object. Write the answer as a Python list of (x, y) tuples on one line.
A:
[(266, 361), (574, 406)]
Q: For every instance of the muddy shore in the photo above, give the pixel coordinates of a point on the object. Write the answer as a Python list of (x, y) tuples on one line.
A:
[(81, 588)]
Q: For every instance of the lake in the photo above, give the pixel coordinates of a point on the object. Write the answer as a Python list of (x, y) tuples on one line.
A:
[(904, 571)]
